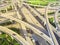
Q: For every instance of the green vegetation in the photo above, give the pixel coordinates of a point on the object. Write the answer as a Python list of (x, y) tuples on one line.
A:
[(50, 13), (51, 20), (9, 8), (7, 40), (40, 2), (3, 11)]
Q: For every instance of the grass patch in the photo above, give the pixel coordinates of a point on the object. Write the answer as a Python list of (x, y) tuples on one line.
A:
[(3, 11), (7, 40), (51, 21), (50, 13), (40, 2), (9, 8)]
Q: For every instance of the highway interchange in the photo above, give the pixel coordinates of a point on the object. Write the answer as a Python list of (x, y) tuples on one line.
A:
[(24, 10)]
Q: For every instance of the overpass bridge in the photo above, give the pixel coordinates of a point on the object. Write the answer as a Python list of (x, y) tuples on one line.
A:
[(30, 19)]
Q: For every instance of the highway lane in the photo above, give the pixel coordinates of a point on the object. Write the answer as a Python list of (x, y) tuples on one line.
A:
[(26, 13), (40, 25), (17, 37), (32, 20), (25, 34), (56, 20), (23, 27), (2, 20), (31, 27), (43, 19), (28, 39), (12, 13), (54, 40), (13, 26)]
